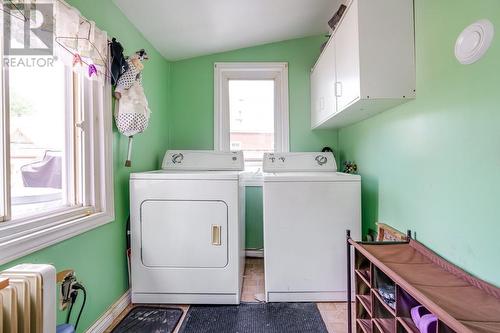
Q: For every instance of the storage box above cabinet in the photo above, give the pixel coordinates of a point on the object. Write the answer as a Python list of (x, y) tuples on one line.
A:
[(368, 65)]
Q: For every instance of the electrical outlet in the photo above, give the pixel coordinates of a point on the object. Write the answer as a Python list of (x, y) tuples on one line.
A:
[(67, 279)]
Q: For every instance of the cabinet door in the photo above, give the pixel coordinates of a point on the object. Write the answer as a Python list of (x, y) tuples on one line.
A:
[(323, 78), (315, 97), (346, 40)]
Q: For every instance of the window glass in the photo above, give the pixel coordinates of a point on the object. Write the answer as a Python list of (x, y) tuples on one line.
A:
[(38, 137), (251, 105)]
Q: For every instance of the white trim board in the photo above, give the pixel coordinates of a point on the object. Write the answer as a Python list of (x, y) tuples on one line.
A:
[(225, 71), (23, 236), (254, 253), (103, 323)]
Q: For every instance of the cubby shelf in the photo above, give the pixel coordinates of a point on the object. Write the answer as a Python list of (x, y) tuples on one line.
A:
[(364, 275), (407, 324), (365, 325), (384, 304), (397, 267), (385, 325), (380, 317), (366, 301)]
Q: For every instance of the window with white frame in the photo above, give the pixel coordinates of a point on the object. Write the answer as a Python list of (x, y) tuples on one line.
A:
[(55, 145), (251, 109)]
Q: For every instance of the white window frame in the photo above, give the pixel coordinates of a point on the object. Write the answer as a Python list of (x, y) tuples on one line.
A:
[(24, 236), (226, 71)]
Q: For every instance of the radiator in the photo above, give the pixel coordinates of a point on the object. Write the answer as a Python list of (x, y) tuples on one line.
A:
[(28, 299)]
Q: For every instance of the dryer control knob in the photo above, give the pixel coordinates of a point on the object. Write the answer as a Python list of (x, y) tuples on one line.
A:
[(321, 159), (177, 158)]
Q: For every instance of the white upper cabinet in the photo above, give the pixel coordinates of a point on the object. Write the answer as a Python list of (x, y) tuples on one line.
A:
[(368, 65), (323, 87), (347, 59)]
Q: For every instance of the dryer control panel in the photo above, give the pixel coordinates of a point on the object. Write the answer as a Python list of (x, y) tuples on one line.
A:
[(299, 162), (203, 160)]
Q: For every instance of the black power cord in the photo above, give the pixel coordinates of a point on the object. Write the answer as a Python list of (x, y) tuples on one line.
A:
[(78, 286), (74, 294)]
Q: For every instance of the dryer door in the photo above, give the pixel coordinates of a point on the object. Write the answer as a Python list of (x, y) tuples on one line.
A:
[(184, 234)]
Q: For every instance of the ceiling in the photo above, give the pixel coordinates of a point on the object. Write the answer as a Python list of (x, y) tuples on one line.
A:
[(182, 29)]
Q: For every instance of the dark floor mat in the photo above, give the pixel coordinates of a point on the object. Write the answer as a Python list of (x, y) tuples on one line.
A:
[(254, 318), (143, 319)]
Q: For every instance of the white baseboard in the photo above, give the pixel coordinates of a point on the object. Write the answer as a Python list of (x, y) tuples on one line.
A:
[(254, 253), (110, 315)]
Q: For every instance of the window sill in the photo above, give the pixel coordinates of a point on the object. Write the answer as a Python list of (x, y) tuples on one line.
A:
[(26, 239)]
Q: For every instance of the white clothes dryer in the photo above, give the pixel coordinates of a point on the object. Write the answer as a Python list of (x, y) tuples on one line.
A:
[(187, 229)]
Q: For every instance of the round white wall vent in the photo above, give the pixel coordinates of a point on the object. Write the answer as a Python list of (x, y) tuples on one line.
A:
[(474, 41)]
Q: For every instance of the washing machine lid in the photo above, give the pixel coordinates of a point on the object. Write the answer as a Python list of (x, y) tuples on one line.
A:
[(186, 175), (299, 162), (310, 177), (203, 160)]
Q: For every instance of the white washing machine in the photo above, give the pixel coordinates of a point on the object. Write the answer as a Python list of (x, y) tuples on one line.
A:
[(307, 208), (187, 229)]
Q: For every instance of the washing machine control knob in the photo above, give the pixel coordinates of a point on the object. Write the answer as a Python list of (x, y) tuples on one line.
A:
[(321, 159), (177, 158)]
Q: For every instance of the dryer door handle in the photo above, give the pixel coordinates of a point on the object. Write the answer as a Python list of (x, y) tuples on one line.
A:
[(216, 235)]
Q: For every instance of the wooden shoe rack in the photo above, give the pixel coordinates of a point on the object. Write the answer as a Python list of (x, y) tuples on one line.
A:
[(461, 302)]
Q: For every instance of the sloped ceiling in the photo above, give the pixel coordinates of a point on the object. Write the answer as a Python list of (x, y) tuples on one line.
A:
[(187, 28)]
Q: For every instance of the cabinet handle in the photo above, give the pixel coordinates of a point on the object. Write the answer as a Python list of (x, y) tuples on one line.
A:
[(338, 89), (216, 232)]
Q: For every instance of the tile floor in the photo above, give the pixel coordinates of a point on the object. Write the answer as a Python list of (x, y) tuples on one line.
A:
[(334, 314), (253, 281)]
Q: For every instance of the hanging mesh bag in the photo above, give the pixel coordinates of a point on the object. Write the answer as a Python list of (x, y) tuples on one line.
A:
[(132, 114), (131, 109)]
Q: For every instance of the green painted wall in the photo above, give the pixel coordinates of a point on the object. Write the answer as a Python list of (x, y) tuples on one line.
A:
[(98, 256), (254, 218), (432, 165), (192, 100)]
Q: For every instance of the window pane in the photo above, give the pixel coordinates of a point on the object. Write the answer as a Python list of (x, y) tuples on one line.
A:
[(251, 105), (37, 139)]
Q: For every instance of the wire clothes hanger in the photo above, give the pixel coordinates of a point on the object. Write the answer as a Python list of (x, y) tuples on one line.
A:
[(59, 40), (20, 11), (16, 7)]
